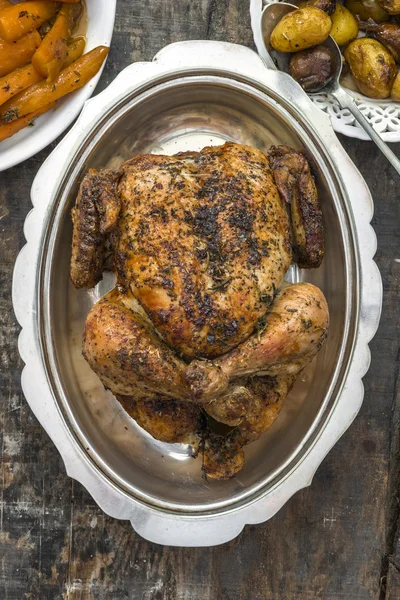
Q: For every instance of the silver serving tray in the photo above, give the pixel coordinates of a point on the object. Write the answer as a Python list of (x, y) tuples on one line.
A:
[(192, 94)]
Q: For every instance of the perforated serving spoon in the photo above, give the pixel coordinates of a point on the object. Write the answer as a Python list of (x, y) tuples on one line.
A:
[(271, 15)]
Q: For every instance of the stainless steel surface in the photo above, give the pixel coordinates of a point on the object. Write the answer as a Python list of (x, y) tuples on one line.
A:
[(183, 102), (192, 112), (271, 16)]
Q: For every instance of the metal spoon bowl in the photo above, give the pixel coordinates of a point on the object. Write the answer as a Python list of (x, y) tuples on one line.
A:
[(270, 17)]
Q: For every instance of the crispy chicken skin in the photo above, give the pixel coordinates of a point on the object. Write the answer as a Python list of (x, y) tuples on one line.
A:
[(296, 185), (94, 216), (251, 404), (166, 419), (222, 455), (204, 242), (126, 352), (199, 329), (294, 330)]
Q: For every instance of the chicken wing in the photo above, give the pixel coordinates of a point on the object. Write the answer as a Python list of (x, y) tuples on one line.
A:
[(296, 185), (94, 216)]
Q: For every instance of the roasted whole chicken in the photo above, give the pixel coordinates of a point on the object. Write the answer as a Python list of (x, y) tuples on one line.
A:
[(201, 340)]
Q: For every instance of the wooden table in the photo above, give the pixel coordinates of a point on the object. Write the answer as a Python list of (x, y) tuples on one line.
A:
[(337, 540)]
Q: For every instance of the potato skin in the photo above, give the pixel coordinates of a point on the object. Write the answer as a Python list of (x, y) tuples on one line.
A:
[(327, 6), (372, 66), (344, 25), (367, 9), (395, 94), (301, 29), (387, 34), (313, 68), (391, 6)]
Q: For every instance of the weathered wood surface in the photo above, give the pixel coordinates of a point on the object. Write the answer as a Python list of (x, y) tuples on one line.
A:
[(334, 541)]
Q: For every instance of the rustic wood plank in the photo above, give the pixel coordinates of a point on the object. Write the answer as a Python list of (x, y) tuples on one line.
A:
[(391, 562), (327, 543), (391, 581)]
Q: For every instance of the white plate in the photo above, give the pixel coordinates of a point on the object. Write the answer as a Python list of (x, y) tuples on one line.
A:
[(384, 115), (29, 141)]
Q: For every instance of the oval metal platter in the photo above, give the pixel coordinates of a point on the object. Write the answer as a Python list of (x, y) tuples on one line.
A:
[(193, 94)]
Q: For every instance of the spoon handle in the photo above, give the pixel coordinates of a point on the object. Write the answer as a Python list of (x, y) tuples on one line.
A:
[(346, 101)]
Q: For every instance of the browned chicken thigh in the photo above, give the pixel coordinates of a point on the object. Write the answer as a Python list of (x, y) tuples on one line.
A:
[(198, 329)]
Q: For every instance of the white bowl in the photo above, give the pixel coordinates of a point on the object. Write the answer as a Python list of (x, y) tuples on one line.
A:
[(29, 141), (383, 115)]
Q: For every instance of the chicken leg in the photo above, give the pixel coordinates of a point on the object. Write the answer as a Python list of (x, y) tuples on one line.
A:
[(250, 407), (291, 335), (126, 352)]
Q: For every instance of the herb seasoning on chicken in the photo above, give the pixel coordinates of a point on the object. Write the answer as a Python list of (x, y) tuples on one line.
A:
[(197, 323)]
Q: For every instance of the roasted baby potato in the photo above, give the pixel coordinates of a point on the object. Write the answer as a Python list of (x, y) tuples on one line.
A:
[(344, 25), (372, 66), (327, 6), (395, 94), (386, 33), (313, 68), (301, 29), (391, 6), (367, 9)]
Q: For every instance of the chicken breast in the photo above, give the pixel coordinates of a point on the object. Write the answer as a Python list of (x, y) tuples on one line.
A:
[(203, 244)]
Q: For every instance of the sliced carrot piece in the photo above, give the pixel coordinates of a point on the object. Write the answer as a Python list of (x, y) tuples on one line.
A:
[(17, 20), (8, 130), (17, 80), (23, 77), (75, 51), (18, 53), (51, 54), (70, 79)]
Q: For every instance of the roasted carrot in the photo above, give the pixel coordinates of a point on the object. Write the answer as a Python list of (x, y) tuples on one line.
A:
[(17, 20), (75, 51), (17, 81), (19, 53), (10, 129), (50, 56), (21, 78), (70, 79)]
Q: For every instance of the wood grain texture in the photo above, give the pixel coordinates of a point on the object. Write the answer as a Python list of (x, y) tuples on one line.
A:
[(336, 540)]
